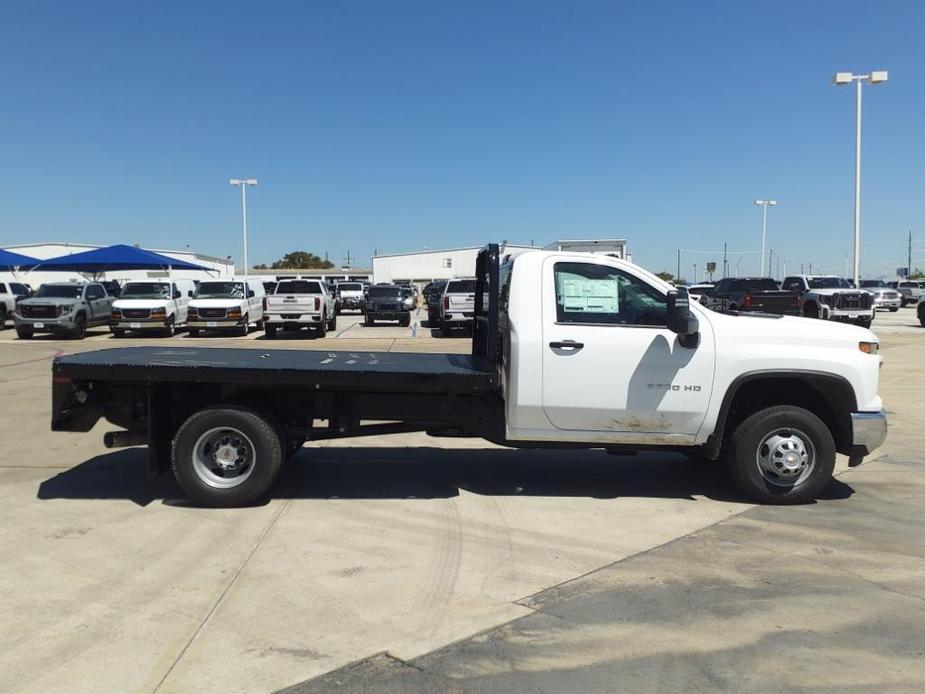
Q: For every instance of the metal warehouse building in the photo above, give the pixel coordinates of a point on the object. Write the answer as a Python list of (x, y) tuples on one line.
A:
[(423, 266)]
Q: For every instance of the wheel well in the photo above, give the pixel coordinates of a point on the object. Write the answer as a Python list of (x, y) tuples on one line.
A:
[(828, 397)]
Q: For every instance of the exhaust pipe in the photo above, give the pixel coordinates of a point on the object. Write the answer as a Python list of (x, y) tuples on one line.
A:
[(121, 439)]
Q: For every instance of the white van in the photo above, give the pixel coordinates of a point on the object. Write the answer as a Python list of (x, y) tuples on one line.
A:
[(157, 304), (228, 304)]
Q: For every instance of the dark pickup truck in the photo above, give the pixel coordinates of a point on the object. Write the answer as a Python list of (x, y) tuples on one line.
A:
[(756, 294)]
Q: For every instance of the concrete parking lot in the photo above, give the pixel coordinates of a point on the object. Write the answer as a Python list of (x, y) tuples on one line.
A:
[(410, 564)]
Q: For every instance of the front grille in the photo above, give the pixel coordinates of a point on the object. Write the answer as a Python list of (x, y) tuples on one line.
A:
[(212, 312), (852, 301), (890, 295), (387, 307), (39, 311), (136, 313)]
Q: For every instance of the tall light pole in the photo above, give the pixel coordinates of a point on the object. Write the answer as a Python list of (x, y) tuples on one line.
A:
[(244, 182), (765, 204), (840, 79)]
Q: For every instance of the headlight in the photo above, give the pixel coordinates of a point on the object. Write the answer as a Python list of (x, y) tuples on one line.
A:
[(869, 347), (116, 314), (193, 312), (64, 310), (159, 312), (234, 312)]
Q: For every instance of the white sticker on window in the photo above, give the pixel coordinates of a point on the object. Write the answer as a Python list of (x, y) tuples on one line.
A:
[(583, 295)]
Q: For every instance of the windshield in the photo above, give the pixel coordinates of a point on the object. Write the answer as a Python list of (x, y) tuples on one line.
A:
[(220, 290), (350, 287), (146, 290), (298, 287), (828, 283), (461, 287), (872, 283), (60, 291), (381, 292), (909, 284)]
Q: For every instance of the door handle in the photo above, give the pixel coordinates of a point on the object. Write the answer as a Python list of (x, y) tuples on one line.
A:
[(567, 344)]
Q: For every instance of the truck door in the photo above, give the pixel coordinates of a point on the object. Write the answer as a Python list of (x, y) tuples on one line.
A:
[(96, 301), (609, 362)]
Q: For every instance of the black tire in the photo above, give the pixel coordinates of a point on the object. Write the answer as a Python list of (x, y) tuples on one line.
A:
[(270, 331), (405, 321), (332, 325), (894, 309), (118, 332), (170, 327), (2, 317), (322, 328), (193, 332), (265, 461), (244, 328), (446, 329), (368, 320), (27, 333), (80, 327), (811, 310), (742, 455)]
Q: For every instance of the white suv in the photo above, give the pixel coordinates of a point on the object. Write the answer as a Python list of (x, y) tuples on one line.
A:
[(229, 304)]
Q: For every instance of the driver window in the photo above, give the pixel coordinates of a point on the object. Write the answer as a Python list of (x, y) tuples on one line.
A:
[(589, 293)]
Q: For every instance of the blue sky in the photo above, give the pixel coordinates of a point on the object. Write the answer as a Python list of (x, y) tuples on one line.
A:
[(400, 125)]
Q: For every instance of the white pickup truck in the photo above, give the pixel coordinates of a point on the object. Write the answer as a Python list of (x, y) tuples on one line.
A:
[(299, 304), (569, 350), (457, 306)]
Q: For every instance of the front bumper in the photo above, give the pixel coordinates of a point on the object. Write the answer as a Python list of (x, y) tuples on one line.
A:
[(147, 324), (459, 317), (887, 303), (848, 314), (350, 302), (46, 325), (215, 324), (868, 432), (386, 315)]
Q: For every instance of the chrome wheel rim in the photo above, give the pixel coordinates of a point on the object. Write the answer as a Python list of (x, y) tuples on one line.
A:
[(224, 457), (786, 457)]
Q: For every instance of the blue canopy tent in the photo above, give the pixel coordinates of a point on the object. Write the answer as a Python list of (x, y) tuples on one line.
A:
[(10, 260), (118, 257)]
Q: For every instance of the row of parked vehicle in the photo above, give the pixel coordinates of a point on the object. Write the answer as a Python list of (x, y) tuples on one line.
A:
[(828, 297), (232, 305)]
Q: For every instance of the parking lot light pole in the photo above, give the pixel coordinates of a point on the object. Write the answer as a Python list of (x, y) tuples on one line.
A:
[(765, 204), (244, 182), (841, 79)]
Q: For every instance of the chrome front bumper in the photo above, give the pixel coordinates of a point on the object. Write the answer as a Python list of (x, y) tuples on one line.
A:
[(868, 432)]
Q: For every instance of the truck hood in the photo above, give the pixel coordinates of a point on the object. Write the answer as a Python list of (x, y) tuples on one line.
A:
[(140, 303), (49, 301), (833, 291), (217, 303), (773, 329)]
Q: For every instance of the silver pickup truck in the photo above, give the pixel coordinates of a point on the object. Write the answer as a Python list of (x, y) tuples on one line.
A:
[(67, 308)]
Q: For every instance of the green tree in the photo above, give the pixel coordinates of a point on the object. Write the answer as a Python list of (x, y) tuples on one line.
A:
[(665, 275), (301, 260), (262, 266)]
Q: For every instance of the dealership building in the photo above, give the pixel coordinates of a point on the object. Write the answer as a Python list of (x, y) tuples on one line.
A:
[(424, 266), (217, 267)]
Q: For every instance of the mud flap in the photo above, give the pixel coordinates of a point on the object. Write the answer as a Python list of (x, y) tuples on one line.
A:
[(160, 431)]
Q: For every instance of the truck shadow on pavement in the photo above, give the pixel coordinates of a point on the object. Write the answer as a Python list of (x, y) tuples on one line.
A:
[(428, 473)]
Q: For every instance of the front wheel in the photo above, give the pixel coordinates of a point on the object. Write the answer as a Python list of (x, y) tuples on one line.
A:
[(405, 320), (80, 327), (170, 327), (781, 455), (244, 327), (27, 333), (226, 456), (193, 332), (118, 332), (894, 309), (2, 317)]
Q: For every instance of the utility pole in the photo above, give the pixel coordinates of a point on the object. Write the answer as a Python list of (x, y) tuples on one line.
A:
[(725, 262), (909, 257), (770, 261), (348, 258), (678, 276)]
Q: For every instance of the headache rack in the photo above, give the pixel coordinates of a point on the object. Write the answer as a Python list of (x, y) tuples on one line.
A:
[(486, 338)]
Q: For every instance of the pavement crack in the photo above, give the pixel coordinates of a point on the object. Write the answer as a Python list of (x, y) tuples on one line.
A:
[(221, 596)]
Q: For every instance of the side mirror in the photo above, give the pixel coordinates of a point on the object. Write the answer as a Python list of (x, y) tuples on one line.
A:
[(250, 293), (177, 294), (190, 293), (680, 320)]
